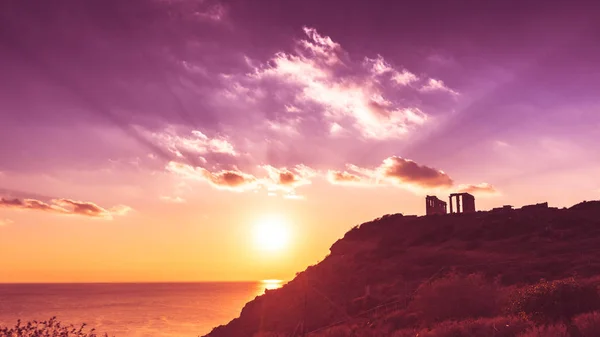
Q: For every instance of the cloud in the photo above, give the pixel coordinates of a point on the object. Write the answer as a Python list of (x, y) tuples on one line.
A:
[(501, 144), (401, 172), (437, 85), (379, 66), (193, 144), (120, 210), (345, 178), (233, 180), (5, 222), (315, 71), (174, 200), (479, 189), (393, 171), (82, 208), (64, 206), (404, 78), (228, 179), (287, 180), (406, 171), (210, 10), (276, 179)]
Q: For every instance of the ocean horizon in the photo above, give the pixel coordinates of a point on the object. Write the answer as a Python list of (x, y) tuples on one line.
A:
[(131, 309)]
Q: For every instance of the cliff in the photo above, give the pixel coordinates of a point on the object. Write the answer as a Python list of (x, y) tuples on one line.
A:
[(382, 262)]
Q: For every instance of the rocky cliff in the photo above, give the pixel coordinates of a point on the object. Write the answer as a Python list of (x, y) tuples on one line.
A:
[(383, 261)]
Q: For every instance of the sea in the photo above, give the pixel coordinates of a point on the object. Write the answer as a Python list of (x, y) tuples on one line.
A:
[(131, 309)]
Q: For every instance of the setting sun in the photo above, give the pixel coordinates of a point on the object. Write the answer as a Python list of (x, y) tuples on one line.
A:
[(271, 234)]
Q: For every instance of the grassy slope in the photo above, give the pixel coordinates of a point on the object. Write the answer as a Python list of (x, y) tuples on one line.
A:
[(393, 255)]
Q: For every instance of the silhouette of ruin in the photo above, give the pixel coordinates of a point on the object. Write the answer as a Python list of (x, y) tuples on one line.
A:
[(465, 203), (466, 200), (505, 208), (535, 207), (435, 205)]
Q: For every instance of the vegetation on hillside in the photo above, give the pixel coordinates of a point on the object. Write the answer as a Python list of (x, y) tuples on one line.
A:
[(48, 328)]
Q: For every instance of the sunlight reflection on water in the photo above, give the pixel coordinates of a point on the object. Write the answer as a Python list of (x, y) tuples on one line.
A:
[(133, 309), (269, 285)]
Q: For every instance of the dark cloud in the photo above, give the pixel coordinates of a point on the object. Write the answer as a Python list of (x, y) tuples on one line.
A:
[(230, 179), (407, 171), (62, 206), (287, 178), (343, 177), (82, 208), (233, 180)]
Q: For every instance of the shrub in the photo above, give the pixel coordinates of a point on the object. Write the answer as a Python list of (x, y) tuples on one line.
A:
[(350, 331), (399, 319), (267, 334), (547, 331), (456, 297), (49, 328), (588, 324), (497, 327), (556, 301)]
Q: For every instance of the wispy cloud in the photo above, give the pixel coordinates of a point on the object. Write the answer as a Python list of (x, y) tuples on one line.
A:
[(5, 222), (172, 199), (64, 206), (438, 85), (379, 67), (285, 180), (500, 144), (233, 180), (288, 179), (346, 178), (478, 189), (191, 144)]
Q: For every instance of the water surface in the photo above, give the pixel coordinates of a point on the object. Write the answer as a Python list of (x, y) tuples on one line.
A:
[(131, 309)]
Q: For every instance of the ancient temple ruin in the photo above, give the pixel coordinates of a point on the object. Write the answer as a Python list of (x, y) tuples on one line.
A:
[(459, 203), (435, 205), (465, 203)]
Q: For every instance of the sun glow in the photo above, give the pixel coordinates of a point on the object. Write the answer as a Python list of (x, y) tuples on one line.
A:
[(271, 234), (272, 284)]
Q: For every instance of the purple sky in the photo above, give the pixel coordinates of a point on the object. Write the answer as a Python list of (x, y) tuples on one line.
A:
[(109, 106)]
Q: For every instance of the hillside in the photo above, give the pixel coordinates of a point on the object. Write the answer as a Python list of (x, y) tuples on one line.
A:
[(381, 264)]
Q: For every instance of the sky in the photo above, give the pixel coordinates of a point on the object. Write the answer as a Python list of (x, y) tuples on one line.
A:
[(147, 140)]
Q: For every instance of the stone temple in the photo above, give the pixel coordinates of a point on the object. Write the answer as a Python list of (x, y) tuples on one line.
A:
[(459, 203)]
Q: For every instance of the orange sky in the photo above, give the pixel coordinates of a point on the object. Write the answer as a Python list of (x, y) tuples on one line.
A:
[(208, 238)]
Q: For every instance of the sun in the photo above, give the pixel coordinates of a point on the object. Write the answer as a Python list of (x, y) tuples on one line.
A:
[(271, 234)]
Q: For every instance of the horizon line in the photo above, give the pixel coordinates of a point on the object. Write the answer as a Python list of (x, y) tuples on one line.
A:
[(141, 282)]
